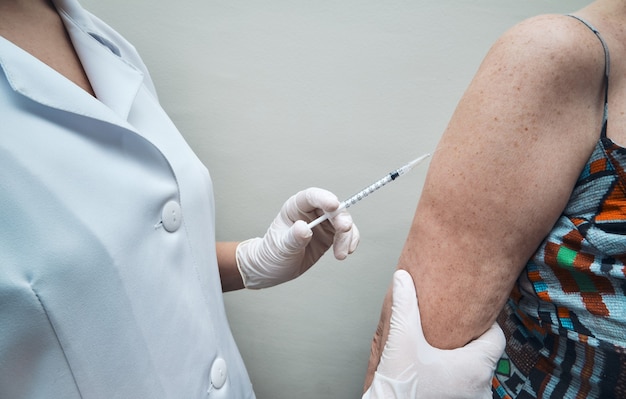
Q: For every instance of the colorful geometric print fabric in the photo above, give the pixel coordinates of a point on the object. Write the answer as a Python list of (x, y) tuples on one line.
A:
[(566, 319), (555, 366)]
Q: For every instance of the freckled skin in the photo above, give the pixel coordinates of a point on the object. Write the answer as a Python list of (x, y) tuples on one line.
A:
[(506, 166)]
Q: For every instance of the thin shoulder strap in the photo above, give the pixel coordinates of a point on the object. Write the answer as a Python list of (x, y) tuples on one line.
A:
[(607, 65)]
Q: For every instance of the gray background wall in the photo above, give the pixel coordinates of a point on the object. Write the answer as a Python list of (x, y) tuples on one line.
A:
[(279, 95)]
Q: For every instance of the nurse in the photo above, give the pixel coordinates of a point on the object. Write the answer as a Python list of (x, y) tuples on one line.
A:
[(111, 279)]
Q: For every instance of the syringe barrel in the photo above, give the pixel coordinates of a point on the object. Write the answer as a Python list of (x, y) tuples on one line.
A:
[(367, 191)]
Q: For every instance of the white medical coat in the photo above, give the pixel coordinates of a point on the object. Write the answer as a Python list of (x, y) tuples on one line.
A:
[(109, 286)]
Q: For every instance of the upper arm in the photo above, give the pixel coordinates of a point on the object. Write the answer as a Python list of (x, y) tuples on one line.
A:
[(503, 172)]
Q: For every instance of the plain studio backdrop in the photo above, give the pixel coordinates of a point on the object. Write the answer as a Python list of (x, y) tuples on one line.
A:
[(279, 95)]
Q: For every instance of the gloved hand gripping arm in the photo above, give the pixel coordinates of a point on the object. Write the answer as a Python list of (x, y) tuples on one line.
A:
[(410, 368), (289, 247)]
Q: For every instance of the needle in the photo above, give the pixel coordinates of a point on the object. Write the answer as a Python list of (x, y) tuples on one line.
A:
[(370, 189)]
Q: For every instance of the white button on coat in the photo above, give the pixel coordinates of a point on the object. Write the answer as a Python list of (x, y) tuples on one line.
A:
[(219, 373), (171, 216)]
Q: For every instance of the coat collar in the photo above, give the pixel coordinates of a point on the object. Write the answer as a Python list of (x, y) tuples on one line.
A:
[(115, 81)]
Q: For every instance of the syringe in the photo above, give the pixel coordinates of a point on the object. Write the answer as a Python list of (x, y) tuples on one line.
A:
[(369, 190)]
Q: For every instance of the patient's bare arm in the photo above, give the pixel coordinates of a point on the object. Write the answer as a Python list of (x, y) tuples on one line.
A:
[(500, 177)]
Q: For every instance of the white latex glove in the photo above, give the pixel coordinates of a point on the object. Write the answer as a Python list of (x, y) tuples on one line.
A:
[(410, 368), (290, 247)]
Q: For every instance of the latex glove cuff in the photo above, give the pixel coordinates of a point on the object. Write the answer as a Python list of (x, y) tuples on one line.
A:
[(256, 276)]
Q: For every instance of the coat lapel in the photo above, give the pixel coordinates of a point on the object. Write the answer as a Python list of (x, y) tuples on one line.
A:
[(115, 82)]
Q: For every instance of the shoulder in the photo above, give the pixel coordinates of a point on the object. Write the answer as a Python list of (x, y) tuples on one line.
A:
[(554, 49), (551, 66), (550, 32)]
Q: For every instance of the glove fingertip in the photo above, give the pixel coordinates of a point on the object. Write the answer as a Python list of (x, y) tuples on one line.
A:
[(346, 242), (327, 200), (341, 221), (404, 296), (498, 334), (492, 341), (340, 247), (301, 231), (356, 238), (314, 197), (403, 284)]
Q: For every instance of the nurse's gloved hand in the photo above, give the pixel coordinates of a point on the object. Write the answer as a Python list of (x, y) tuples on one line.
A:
[(290, 247), (410, 368)]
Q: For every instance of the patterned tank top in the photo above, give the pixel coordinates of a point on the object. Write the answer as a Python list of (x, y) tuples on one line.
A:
[(565, 321)]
